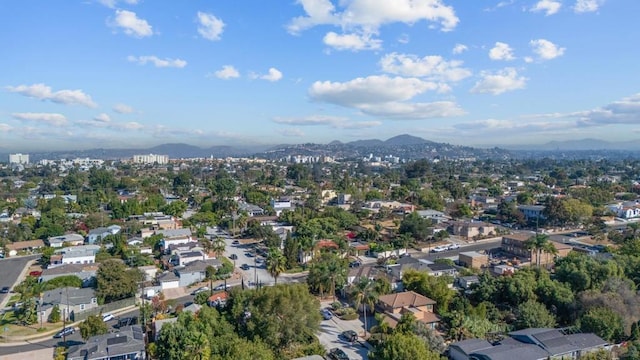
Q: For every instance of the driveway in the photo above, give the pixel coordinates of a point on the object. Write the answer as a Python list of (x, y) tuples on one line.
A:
[(332, 328), (12, 269)]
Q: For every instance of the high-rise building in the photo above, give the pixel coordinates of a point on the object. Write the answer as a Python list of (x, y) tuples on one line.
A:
[(151, 159), (18, 158)]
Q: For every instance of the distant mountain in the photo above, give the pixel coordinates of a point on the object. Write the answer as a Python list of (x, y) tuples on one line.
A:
[(406, 139), (365, 143)]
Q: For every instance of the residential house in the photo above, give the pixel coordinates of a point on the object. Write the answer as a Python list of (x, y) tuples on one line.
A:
[(187, 257), (394, 305), (281, 205), (29, 246), (168, 280), (127, 343), (174, 237), (466, 282), (195, 271), (529, 344), (86, 273), (149, 271), (442, 269), (472, 229), (218, 299), (376, 205), (69, 300), (516, 245), (251, 209), (96, 235), (473, 259), (135, 241), (626, 210), (436, 217), (532, 212), (68, 239)]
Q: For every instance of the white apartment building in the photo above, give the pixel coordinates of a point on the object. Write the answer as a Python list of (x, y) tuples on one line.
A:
[(18, 158), (151, 159)]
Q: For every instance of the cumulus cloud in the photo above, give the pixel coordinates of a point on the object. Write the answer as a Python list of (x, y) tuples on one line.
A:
[(499, 82), (44, 92), (122, 109), (625, 111), (336, 122), (273, 75), (52, 119), (161, 63), (131, 25), (459, 49), (549, 7), (501, 51), (209, 26), (545, 49), (104, 118), (384, 96), (227, 72), (430, 67), (365, 17), (584, 6), (353, 42)]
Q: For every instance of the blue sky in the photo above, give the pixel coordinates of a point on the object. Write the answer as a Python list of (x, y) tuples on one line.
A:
[(137, 73)]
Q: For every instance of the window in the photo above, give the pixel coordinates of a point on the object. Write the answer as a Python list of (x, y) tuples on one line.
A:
[(94, 300), (81, 306)]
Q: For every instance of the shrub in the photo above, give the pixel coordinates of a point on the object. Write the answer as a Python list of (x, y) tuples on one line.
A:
[(350, 316)]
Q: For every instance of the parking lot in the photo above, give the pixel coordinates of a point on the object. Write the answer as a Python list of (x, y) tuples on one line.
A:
[(255, 270), (329, 335)]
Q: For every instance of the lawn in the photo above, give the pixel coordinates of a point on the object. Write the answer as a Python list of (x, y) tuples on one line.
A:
[(9, 328)]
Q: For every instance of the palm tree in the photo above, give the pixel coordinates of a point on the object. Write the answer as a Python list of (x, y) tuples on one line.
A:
[(540, 244), (218, 246), (363, 293), (276, 263)]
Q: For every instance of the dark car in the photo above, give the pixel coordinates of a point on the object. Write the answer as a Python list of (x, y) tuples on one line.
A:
[(235, 242), (249, 254), (349, 335), (64, 332), (354, 264), (337, 354), (245, 267), (233, 257), (128, 321), (5, 290)]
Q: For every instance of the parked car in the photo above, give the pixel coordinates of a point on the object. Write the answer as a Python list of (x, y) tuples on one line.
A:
[(453, 247), (107, 317), (337, 354), (326, 314), (128, 321), (5, 290), (64, 332), (221, 287), (235, 242), (354, 264), (349, 335), (249, 254), (439, 248), (233, 257), (245, 267), (199, 290)]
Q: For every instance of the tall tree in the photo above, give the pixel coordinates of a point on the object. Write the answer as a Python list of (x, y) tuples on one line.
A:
[(363, 292), (276, 263), (92, 326), (540, 243)]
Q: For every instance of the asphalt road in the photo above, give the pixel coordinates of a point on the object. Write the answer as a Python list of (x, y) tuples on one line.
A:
[(478, 246), (10, 270)]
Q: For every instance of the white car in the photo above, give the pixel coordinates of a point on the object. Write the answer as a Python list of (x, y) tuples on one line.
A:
[(453, 247), (107, 317), (440, 248)]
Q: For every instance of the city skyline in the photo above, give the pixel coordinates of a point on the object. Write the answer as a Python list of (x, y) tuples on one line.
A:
[(131, 73)]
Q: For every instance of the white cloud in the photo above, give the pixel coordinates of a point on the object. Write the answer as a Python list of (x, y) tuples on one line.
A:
[(459, 49), (122, 109), (210, 27), (430, 67), (273, 75), (365, 17), (501, 51), (499, 5), (403, 39), (227, 72), (499, 82), (353, 42), (549, 7), (43, 92), (625, 111), (545, 49), (5, 127), (583, 6), (161, 63), (291, 132), (129, 22), (112, 3), (384, 96), (46, 118), (104, 118)]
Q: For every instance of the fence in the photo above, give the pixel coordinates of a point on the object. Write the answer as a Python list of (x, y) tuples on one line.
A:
[(112, 306)]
